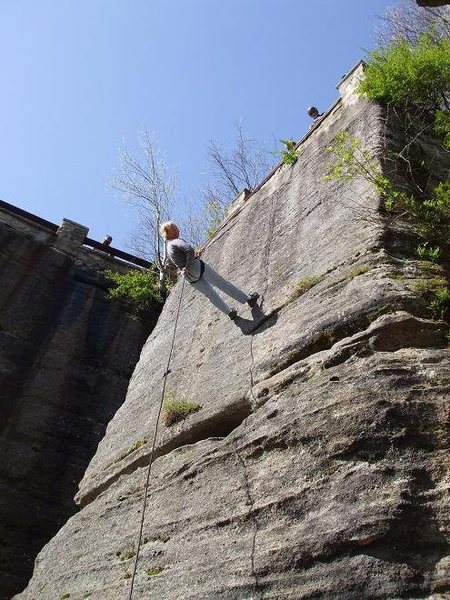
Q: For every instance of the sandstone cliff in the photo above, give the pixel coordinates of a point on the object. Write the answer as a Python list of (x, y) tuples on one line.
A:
[(66, 356), (317, 466)]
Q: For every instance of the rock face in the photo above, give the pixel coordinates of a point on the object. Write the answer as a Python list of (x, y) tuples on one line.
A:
[(317, 466), (66, 356)]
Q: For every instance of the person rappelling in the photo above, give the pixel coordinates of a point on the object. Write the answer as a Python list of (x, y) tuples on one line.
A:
[(200, 275)]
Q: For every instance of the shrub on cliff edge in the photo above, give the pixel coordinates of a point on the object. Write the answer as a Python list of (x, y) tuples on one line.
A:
[(406, 73), (136, 289)]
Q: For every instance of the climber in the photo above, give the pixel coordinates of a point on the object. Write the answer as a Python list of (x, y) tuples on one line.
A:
[(200, 275)]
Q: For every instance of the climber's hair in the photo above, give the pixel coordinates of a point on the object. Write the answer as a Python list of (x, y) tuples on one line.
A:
[(169, 228)]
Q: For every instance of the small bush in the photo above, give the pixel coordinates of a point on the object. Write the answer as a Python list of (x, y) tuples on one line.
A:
[(154, 571), (125, 554), (442, 126), (126, 575), (177, 410), (409, 73), (435, 292), (426, 252), (301, 286), (440, 303), (137, 289), (359, 271), (290, 153)]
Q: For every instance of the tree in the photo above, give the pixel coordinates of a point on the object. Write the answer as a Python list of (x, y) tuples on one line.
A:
[(244, 166), (405, 20), (144, 182), (410, 74), (414, 79)]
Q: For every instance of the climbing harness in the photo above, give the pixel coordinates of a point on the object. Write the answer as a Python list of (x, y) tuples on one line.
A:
[(144, 506)]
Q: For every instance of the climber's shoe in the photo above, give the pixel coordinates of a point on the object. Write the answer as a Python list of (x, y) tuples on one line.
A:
[(232, 314), (252, 299)]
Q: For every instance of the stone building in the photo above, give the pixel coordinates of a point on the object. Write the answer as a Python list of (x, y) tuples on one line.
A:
[(66, 357)]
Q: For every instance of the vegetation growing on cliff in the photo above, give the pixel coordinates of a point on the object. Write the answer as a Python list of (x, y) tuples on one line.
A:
[(427, 252), (126, 554), (429, 215), (153, 572), (177, 410), (442, 126), (137, 444), (428, 211), (290, 153), (301, 286), (137, 289), (410, 74), (412, 78), (436, 294)]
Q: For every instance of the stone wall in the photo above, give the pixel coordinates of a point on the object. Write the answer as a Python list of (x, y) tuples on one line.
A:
[(317, 466), (66, 357)]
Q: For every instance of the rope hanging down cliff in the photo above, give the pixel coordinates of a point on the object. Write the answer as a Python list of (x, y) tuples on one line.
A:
[(144, 506)]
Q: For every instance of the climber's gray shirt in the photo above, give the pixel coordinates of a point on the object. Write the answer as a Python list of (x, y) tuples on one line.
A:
[(183, 256)]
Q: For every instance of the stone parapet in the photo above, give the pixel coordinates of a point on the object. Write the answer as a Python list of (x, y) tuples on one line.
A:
[(70, 236)]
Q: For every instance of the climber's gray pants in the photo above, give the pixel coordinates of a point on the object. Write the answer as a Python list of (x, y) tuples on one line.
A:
[(211, 278)]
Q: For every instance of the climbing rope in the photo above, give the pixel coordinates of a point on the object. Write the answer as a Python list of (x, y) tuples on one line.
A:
[(144, 506)]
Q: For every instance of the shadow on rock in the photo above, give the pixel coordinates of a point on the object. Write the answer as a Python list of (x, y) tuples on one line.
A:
[(259, 323)]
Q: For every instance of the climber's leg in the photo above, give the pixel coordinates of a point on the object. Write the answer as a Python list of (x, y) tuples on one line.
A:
[(205, 288), (225, 286)]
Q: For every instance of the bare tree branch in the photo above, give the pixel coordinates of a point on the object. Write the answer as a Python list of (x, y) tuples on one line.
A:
[(144, 182), (405, 20), (244, 166)]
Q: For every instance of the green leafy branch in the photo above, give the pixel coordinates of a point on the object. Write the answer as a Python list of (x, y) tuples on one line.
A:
[(430, 216), (290, 153), (137, 289)]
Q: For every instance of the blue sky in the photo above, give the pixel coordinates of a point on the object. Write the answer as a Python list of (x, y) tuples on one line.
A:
[(80, 76)]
